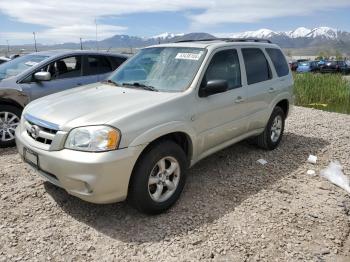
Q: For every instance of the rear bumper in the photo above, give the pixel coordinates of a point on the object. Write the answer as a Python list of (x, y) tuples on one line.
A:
[(94, 177)]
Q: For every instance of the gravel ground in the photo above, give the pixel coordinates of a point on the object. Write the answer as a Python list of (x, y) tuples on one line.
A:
[(232, 208)]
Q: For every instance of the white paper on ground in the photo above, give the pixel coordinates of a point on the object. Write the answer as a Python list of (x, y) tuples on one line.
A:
[(311, 172), (312, 159), (262, 161), (336, 176)]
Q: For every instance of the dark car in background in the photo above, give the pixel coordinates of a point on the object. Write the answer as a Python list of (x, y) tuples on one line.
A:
[(293, 65), (32, 76), (308, 66), (335, 67)]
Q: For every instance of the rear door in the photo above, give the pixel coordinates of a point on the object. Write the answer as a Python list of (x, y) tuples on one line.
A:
[(97, 67), (260, 86)]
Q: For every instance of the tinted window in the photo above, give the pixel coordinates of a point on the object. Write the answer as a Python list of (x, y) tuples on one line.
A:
[(64, 68), (279, 61), (256, 65), (224, 66), (117, 61), (97, 65)]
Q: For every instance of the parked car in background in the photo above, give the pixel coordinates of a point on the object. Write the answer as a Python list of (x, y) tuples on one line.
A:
[(293, 66), (168, 107), (335, 67), (31, 76), (4, 59), (308, 66)]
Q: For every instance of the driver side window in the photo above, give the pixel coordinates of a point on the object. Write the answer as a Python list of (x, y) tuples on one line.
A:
[(224, 66), (67, 67)]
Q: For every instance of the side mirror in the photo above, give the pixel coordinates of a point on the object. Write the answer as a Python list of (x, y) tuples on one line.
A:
[(213, 87), (42, 76)]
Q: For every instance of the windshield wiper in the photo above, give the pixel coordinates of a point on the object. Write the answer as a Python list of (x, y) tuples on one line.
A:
[(145, 87), (109, 81)]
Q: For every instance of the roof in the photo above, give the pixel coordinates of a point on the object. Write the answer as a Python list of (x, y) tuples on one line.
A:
[(216, 43), (4, 58), (75, 52)]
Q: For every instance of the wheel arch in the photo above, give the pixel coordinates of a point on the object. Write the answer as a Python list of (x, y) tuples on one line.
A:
[(14, 98), (284, 105)]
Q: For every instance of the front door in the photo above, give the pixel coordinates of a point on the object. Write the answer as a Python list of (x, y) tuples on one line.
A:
[(65, 73), (220, 117)]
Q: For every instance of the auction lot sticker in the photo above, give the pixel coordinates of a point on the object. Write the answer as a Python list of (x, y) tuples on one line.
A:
[(188, 56)]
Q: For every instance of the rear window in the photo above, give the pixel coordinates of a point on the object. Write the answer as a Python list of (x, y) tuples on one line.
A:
[(256, 65), (97, 64), (279, 61), (117, 61)]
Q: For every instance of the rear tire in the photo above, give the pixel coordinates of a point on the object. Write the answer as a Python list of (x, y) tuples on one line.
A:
[(158, 178), (9, 119), (273, 133)]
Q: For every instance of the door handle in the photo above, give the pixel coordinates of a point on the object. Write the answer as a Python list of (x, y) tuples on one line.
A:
[(79, 84), (239, 99), (272, 90)]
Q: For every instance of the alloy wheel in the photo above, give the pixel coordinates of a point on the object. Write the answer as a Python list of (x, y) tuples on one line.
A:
[(164, 179), (8, 124)]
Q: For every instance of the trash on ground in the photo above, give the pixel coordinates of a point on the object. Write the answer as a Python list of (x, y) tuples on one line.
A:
[(262, 161), (311, 172), (312, 159), (336, 176)]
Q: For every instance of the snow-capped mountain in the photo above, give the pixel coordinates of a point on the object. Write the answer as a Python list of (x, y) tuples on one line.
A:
[(324, 32), (166, 36), (301, 32), (262, 33)]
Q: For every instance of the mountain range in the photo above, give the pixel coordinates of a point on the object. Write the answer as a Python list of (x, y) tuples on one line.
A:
[(301, 38), (307, 41)]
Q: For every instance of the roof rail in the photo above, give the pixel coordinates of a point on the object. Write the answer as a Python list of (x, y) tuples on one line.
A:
[(228, 40)]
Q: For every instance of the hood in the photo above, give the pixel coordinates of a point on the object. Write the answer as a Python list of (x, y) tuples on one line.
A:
[(94, 104)]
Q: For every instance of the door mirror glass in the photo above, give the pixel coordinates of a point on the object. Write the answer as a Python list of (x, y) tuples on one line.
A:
[(42, 76), (213, 87)]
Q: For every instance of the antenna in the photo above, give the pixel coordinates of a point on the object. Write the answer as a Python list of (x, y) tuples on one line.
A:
[(36, 50), (96, 34), (8, 47)]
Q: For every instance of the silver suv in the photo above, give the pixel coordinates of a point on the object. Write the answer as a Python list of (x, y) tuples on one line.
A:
[(134, 136)]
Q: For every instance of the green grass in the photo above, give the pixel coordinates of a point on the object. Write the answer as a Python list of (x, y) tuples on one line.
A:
[(330, 92)]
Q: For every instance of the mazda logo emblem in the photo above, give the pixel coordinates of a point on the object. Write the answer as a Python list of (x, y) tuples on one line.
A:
[(34, 131)]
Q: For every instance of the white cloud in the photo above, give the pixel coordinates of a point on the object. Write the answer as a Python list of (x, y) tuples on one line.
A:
[(67, 20)]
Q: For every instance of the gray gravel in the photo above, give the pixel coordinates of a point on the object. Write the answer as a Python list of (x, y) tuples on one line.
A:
[(232, 209)]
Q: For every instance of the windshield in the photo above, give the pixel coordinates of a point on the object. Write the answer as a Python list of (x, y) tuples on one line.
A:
[(18, 65), (167, 69), (304, 64)]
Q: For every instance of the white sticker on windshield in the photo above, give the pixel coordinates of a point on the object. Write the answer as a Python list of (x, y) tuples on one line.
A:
[(189, 56), (31, 63)]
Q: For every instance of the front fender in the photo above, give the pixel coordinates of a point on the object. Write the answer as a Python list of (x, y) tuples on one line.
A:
[(165, 129), (13, 95)]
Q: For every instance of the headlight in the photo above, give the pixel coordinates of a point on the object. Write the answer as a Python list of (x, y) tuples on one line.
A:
[(93, 139)]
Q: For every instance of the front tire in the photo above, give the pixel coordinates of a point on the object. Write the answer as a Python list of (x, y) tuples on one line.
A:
[(273, 133), (158, 178), (9, 120)]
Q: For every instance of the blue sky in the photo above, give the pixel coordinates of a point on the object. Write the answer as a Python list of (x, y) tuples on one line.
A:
[(68, 20)]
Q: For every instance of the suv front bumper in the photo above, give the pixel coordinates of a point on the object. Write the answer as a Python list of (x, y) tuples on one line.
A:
[(94, 177)]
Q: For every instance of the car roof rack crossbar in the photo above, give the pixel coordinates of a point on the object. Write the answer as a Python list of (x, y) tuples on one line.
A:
[(228, 40)]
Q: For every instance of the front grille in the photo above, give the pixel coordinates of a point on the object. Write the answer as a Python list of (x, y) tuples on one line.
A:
[(39, 133)]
